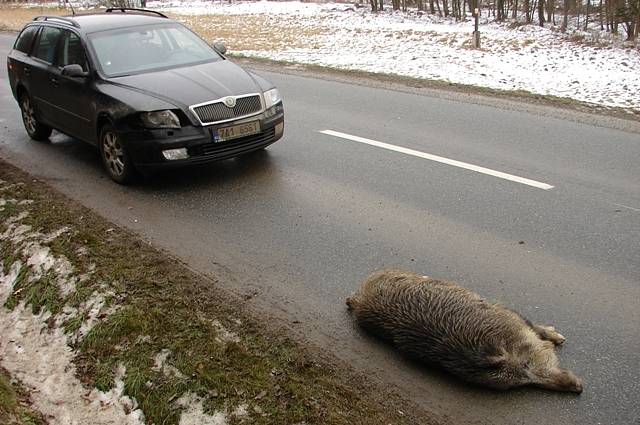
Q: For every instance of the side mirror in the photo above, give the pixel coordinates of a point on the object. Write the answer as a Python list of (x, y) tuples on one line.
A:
[(74, 71), (220, 48)]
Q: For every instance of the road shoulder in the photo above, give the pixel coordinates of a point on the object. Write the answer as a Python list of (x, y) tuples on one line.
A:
[(129, 333)]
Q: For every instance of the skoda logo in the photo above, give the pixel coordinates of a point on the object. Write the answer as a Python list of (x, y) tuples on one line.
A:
[(230, 101)]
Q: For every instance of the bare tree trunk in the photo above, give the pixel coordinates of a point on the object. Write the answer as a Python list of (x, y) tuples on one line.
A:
[(601, 17), (586, 19), (500, 10), (438, 6), (525, 6), (541, 12), (565, 19)]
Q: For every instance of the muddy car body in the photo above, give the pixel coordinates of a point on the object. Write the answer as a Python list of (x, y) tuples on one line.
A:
[(144, 89)]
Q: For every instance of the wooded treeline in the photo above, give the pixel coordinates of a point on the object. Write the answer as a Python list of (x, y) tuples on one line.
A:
[(612, 16)]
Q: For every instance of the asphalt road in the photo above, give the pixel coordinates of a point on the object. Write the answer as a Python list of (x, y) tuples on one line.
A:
[(297, 227)]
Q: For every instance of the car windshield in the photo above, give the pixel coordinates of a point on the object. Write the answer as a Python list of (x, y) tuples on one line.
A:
[(149, 48)]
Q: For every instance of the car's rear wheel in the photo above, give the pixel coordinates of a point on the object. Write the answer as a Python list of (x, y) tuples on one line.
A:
[(35, 129), (114, 156)]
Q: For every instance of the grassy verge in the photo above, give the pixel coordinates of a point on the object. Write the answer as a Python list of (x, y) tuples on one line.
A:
[(172, 330)]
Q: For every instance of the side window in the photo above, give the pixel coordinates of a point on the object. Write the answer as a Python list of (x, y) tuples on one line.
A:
[(46, 48), (25, 39), (71, 51)]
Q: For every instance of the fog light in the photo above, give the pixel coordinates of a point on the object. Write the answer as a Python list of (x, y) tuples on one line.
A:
[(173, 154), (279, 130)]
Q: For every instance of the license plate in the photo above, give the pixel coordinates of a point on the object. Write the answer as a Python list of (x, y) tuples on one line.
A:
[(236, 131)]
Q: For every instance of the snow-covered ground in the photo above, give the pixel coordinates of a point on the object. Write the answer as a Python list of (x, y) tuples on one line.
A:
[(602, 70)]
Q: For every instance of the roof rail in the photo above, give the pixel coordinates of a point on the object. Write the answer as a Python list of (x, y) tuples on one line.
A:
[(58, 18), (124, 9)]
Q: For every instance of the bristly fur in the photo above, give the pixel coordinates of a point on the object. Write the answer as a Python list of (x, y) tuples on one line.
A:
[(442, 323)]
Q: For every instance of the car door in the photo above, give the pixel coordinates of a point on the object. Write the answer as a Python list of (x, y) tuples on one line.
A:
[(42, 74), (74, 106), (19, 61)]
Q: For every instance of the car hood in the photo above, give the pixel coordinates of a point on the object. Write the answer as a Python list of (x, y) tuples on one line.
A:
[(191, 85)]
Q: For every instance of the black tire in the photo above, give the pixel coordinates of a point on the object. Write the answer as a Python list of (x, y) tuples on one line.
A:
[(35, 129), (115, 159)]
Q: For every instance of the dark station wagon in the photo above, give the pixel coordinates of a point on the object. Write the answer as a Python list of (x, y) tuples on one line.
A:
[(146, 90)]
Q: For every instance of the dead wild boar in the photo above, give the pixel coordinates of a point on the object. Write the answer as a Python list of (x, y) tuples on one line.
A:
[(445, 324)]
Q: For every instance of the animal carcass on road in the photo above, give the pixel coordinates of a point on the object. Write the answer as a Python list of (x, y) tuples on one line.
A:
[(445, 324)]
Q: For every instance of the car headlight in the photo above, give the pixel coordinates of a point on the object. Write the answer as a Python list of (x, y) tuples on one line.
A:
[(160, 119), (271, 97)]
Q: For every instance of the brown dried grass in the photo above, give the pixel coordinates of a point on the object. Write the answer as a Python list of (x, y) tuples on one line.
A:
[(252, 32), (238, 32), (13, 18)]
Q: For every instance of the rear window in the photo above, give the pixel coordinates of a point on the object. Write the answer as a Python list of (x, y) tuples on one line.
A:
[(25, 39), (47, 43)]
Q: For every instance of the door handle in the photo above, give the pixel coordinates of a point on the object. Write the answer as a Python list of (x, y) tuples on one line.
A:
[(54, 80), (27, 71)]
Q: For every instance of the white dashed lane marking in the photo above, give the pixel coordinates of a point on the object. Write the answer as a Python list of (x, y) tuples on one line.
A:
[(440, 159)]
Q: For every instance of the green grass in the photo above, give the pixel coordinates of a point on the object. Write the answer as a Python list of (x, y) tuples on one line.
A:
[(158, 304)]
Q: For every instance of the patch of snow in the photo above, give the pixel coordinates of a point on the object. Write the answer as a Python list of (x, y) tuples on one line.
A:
[(8, 281), (17, 218), (18, 232), (84, 251), (39, 355), (160, 364), (55, 235), (39, 258), (91, 310), (143, 339), (115, 398), (40, 358), (241, 411), (530, 58), (10, 186), (224, 335), (193, 412)]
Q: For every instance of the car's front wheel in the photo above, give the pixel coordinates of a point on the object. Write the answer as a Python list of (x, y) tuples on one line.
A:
[(114, 156), (35, 129)]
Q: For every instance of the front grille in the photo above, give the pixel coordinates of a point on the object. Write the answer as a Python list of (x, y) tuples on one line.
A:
[(218, 111), (233, 147)]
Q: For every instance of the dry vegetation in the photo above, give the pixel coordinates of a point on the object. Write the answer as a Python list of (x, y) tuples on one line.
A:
[(252, 32), (13, 18)]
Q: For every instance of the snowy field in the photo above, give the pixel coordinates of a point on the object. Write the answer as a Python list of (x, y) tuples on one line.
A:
[(599, 69)]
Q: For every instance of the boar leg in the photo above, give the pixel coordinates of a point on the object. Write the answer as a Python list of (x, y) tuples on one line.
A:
[(548, 333)]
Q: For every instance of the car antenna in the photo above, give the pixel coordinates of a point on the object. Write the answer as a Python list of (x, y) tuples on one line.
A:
[(73, 12)]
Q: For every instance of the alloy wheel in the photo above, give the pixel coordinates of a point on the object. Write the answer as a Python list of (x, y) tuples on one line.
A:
[(113, 153), (28, 115)]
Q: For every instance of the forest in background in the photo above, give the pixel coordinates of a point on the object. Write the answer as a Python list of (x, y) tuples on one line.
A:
[(617, 17)]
